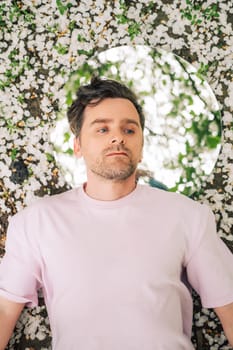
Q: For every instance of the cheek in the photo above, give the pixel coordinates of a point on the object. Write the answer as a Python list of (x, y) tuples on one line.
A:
[(91, 150), (140, 153)]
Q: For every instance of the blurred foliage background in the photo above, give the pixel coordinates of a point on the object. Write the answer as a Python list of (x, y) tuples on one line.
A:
[(183, 120)]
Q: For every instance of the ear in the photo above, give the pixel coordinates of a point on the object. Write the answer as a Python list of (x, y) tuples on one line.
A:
[(77, 147)]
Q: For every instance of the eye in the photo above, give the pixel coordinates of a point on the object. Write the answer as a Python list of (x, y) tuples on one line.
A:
[(129, 131), (102, 130)]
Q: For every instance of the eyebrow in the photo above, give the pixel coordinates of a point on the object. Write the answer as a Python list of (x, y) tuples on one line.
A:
[(109, 120)]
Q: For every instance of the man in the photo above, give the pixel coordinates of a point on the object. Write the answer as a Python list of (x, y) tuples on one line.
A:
[(112, 256)]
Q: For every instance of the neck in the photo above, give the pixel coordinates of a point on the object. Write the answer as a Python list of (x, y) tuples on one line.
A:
[(108, 190)]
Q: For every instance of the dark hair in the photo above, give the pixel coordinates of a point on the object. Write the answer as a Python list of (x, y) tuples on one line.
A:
[(95, 92)]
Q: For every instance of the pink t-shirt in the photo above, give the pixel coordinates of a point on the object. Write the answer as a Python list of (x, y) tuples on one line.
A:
[(111, 271)]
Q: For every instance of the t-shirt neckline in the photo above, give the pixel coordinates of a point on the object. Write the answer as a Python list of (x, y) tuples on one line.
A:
[(86, 199)]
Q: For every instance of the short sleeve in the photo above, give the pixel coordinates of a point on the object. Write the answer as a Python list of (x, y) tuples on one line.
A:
[(19, 268), (210, 268)]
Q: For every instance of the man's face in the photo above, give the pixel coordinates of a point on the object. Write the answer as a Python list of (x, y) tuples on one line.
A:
[(111, 139)]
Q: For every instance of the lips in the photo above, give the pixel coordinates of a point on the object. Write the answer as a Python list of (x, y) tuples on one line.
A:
[(117, 154), (118, 151)]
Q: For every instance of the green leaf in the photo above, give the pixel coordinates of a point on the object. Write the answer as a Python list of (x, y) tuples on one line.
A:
[(61, 7), (213, 141), (66, 136), (62, 49), (134, 29), (71, 25), (50, 157), (69, 151), (69, 98), (121, 19), (86, 53), (81, 38), (14, 153)]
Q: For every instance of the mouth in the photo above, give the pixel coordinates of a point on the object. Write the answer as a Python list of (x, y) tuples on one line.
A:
[(112, 154)]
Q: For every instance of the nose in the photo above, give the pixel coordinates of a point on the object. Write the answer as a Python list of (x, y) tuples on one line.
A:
[(117, 140)]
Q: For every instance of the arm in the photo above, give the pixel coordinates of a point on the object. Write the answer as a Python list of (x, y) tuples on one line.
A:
[(9, 314), (225, 314)]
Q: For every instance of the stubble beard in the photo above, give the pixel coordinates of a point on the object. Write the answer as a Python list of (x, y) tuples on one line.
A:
[(117, 171)]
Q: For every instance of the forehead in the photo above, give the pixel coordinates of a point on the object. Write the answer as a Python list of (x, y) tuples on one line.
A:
[(114, 108)]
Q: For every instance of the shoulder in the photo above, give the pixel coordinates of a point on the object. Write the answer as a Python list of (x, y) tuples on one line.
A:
[(47, 205), (174, 205), (168, 199)]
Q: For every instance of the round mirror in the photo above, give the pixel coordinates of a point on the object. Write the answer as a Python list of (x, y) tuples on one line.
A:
[(183, 125)]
